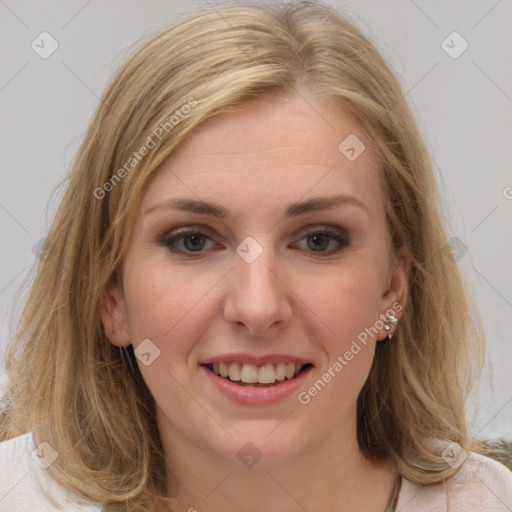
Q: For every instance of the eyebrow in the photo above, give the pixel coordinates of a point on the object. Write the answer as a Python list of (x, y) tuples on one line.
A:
[(314, 204)]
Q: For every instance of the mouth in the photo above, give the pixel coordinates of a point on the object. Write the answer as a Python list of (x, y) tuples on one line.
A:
[(257, 376)]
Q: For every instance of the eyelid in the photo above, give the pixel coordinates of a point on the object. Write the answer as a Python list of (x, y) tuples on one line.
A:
[(329, 228), (188, 229)]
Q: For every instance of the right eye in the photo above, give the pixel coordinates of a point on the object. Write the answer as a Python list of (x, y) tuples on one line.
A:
[(192, 241)]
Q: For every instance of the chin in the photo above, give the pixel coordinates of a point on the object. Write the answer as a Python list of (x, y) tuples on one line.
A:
[(260, 445)]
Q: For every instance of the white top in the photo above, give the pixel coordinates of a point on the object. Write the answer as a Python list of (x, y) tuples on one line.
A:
[(481, 484)]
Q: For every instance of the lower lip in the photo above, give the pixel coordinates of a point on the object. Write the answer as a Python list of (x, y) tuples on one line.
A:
[(257, 396)]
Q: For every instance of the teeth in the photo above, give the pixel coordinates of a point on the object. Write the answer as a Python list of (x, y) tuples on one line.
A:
[(223, 370), (251, 374), (267, 374), (234, 371), (280, 371)]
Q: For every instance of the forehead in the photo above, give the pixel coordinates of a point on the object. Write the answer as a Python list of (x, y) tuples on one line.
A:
[(269, 152)]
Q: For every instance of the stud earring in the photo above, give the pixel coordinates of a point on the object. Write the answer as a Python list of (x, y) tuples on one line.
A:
[(391, 328)]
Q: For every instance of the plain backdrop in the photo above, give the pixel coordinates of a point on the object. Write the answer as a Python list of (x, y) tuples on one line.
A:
[(462, 100)]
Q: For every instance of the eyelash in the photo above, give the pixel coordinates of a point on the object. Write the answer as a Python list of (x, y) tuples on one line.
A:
[(169, 239)]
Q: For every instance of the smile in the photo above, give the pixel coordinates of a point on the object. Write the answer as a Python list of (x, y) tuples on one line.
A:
[(258, 376)]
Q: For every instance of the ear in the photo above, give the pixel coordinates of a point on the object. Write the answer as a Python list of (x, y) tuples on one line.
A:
[(397, 288), (114, 318)]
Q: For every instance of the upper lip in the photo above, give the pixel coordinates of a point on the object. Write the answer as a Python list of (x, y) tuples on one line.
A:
[(242, 357)]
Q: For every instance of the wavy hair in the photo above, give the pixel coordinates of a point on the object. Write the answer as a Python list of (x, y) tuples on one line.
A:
[(86, 397)]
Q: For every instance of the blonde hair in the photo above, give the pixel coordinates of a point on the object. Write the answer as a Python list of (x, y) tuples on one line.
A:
[(74, 388)]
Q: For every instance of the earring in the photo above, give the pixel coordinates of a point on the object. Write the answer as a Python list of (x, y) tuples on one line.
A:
[(391, 328)]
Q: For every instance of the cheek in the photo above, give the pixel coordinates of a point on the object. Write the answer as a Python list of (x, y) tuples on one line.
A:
[(346, 336), (345, 301), (342, 312), (169, 307), (163, 298)]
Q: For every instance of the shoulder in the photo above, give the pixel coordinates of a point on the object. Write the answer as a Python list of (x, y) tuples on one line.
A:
[(25, 484), (481, 484)]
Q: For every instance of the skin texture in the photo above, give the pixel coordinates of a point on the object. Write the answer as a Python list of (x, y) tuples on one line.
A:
[(291, 300)]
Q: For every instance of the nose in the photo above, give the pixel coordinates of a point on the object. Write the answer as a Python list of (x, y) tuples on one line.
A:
[(258, 299)]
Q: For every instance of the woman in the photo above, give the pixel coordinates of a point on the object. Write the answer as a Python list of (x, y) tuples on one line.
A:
[(247, 304)]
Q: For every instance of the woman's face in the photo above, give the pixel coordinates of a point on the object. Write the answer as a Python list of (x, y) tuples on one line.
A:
[(291, 266)]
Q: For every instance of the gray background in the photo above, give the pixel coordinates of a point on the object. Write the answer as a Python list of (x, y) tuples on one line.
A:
[(463, 105)]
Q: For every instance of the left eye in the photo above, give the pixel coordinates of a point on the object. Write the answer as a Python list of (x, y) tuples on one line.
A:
[(320, 240), (194, 241)]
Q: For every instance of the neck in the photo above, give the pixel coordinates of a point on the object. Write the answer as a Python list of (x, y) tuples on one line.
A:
[(332, 473)]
